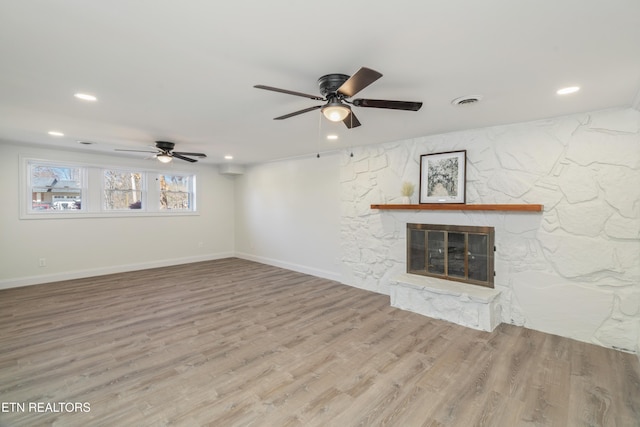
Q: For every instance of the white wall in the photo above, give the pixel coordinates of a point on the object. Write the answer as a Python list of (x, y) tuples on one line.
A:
[(288, 215), (573, 270), (91, 246)]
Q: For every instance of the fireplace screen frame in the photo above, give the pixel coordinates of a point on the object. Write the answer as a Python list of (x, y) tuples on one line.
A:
[(464, 259)]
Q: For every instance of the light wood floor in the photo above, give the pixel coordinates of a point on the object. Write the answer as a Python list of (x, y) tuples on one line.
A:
[(237, 343)]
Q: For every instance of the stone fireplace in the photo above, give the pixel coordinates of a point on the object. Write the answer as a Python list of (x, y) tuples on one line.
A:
[(449, 276), (569, 268)]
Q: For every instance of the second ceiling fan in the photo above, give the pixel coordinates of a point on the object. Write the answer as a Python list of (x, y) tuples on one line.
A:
[(164, 152), (336, 89)]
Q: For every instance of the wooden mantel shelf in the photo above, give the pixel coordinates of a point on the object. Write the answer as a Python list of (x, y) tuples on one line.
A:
[(463, 207)]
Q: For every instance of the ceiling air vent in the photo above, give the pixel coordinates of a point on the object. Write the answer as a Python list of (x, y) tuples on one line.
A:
[(467, 100)]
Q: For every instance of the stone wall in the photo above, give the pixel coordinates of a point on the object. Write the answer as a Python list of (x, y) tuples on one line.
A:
[(573, 270)]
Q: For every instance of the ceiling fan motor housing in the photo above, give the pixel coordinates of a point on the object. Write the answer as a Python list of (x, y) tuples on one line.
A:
[(330, 83), (165, 145)]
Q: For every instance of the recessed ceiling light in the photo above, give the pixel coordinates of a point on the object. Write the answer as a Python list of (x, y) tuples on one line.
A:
[(332, 137), (85, 97), (228, 157), (568, 90), (55, 133)]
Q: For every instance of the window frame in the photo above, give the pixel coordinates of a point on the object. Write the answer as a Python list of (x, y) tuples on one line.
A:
[(26, 203), (92, 191), (143, 190), (191, 192)]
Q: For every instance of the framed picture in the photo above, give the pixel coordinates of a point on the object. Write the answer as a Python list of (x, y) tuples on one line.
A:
[(442, 177)]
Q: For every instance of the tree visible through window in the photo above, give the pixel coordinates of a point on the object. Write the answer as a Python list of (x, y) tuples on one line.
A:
[(122, 190), (176, 192)]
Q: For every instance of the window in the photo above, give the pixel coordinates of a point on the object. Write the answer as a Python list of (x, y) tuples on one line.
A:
[(55, 187), (60, 189), (176, 192), (122, 190)]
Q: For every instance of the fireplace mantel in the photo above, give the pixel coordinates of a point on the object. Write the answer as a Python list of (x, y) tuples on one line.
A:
[(462, 207)]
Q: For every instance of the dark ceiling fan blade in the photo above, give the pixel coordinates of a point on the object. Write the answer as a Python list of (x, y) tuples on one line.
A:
[(136, 151), (351, 121), (178, 156), (393, 105), (361, 79), (289, 92), (295, 113), (182, 153)]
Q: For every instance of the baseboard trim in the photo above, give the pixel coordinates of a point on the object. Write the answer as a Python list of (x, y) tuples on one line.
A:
[(325, 274), (81, 274)]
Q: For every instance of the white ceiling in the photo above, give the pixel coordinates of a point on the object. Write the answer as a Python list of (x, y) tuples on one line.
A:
[(184, 71)]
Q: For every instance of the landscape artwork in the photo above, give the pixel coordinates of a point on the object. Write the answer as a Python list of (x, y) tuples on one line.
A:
[(442, 177)]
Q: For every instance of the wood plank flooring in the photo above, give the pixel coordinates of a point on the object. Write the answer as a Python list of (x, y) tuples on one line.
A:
[(237, 343)]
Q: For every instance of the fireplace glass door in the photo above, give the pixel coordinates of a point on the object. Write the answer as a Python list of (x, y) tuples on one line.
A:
[(436, 244), (478, 262), (460, 253)]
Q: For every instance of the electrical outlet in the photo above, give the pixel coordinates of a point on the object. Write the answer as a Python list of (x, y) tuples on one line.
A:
[(42, 262)]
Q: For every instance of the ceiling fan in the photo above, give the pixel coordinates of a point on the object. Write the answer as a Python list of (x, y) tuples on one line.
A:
[(165, 152), (336, 89)]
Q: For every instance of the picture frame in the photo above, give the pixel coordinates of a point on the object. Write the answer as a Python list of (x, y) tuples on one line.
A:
[(443, 177)]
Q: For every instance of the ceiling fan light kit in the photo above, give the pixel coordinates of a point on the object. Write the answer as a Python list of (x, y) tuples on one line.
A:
[(164, 158), (336, 89), (335, 111)]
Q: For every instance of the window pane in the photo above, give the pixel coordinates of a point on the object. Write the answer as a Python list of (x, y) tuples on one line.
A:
[(55, 188), (122, 190), (176, 192)]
